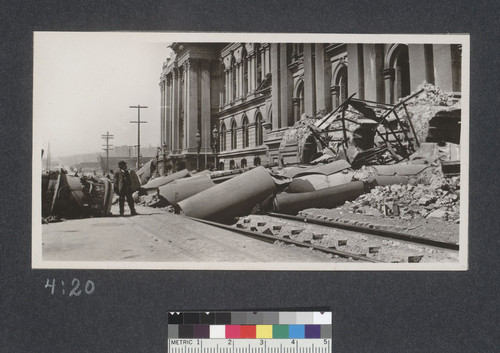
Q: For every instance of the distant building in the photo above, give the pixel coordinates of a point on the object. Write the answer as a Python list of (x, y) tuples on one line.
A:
[(251, 92)]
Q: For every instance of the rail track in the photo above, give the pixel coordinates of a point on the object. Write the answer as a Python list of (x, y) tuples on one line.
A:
[(343, 241)]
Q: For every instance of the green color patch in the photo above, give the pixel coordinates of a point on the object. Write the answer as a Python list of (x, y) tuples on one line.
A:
[(280, 331)]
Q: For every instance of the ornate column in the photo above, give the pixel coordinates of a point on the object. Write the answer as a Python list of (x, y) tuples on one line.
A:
[(162, 111), (175, 109), (309, 87), (238, 81), (241, 79), (231, 94), (252, 73), (275, 87), (296, 109), (226, 86), (389, 85), (168, 116), (334, 91), (286, 87), (191, 72), (267, 56), (205, 107)]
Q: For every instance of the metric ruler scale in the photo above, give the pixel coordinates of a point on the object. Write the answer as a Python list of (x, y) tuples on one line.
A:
[(249, 332)]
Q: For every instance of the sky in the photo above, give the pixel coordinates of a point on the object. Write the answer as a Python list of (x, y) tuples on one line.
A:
[(84, 84)]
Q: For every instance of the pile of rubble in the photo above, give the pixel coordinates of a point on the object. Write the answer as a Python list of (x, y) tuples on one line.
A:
[(425, 105), (298, 134), (428, 195)]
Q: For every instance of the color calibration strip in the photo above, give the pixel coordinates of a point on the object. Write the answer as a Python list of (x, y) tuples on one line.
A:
[(250, 325)]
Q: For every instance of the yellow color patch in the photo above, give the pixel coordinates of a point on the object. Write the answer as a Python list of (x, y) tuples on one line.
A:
[(264, 331)]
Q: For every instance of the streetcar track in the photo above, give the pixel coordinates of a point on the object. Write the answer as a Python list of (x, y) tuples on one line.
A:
[(273, 238), (388, 234), (377, 246)]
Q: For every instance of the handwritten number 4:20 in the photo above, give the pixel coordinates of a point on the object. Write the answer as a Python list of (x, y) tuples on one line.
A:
[(89, 287)]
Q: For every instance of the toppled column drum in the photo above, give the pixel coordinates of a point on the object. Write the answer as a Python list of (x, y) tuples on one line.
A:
[(233, 198)]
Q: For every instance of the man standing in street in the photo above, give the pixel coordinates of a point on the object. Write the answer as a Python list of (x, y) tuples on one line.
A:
[(124, 187)]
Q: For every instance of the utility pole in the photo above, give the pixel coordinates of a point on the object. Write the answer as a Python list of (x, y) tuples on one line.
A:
[(108, 148), (138, 122)]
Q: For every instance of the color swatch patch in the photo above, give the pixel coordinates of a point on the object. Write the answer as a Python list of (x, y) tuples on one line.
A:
[(250, 325)]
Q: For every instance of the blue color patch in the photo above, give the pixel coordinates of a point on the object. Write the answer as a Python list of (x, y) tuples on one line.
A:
[(296, 331)]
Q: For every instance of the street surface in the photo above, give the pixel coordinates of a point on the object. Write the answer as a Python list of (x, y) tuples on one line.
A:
[(158, 236)]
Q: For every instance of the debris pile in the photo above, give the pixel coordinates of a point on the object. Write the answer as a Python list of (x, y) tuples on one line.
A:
[(298, 136), (425, 105), (436, 197)]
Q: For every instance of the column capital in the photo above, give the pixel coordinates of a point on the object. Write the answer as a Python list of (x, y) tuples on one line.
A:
[(175, 73), (190, 64)]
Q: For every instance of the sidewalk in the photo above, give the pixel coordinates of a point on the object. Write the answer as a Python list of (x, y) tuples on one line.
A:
[(155, 235)]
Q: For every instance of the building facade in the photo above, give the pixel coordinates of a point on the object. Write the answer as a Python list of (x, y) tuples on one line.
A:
[(228, 104)]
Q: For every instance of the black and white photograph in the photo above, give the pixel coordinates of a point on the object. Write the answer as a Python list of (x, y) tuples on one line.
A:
[(245, 151)]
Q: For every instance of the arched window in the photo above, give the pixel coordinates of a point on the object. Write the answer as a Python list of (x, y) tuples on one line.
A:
[(298, 102), (234, 138), (231, 164), (400, 66), (243, 163), (301, 98), (259, 130), (244, 132), (223, 137), (256, 161), (221, 165), (341, 85)]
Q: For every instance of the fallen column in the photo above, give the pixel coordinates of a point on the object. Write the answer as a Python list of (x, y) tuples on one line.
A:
[(314, 182), (182, 189), (233, 198), (157, 182), (325, 169), (324, 198)]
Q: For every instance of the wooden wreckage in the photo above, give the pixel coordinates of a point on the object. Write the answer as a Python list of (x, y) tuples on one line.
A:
[(72, 196)]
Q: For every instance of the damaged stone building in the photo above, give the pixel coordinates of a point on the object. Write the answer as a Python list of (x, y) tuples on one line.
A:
[(227, 105)]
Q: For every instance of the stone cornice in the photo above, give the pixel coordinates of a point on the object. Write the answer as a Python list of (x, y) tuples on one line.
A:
[(241, 107)]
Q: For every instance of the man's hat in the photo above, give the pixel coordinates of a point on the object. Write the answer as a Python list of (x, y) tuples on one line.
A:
[(120, 163)]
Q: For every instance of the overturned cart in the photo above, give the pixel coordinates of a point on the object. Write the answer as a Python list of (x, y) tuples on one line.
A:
[(67, 196)]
